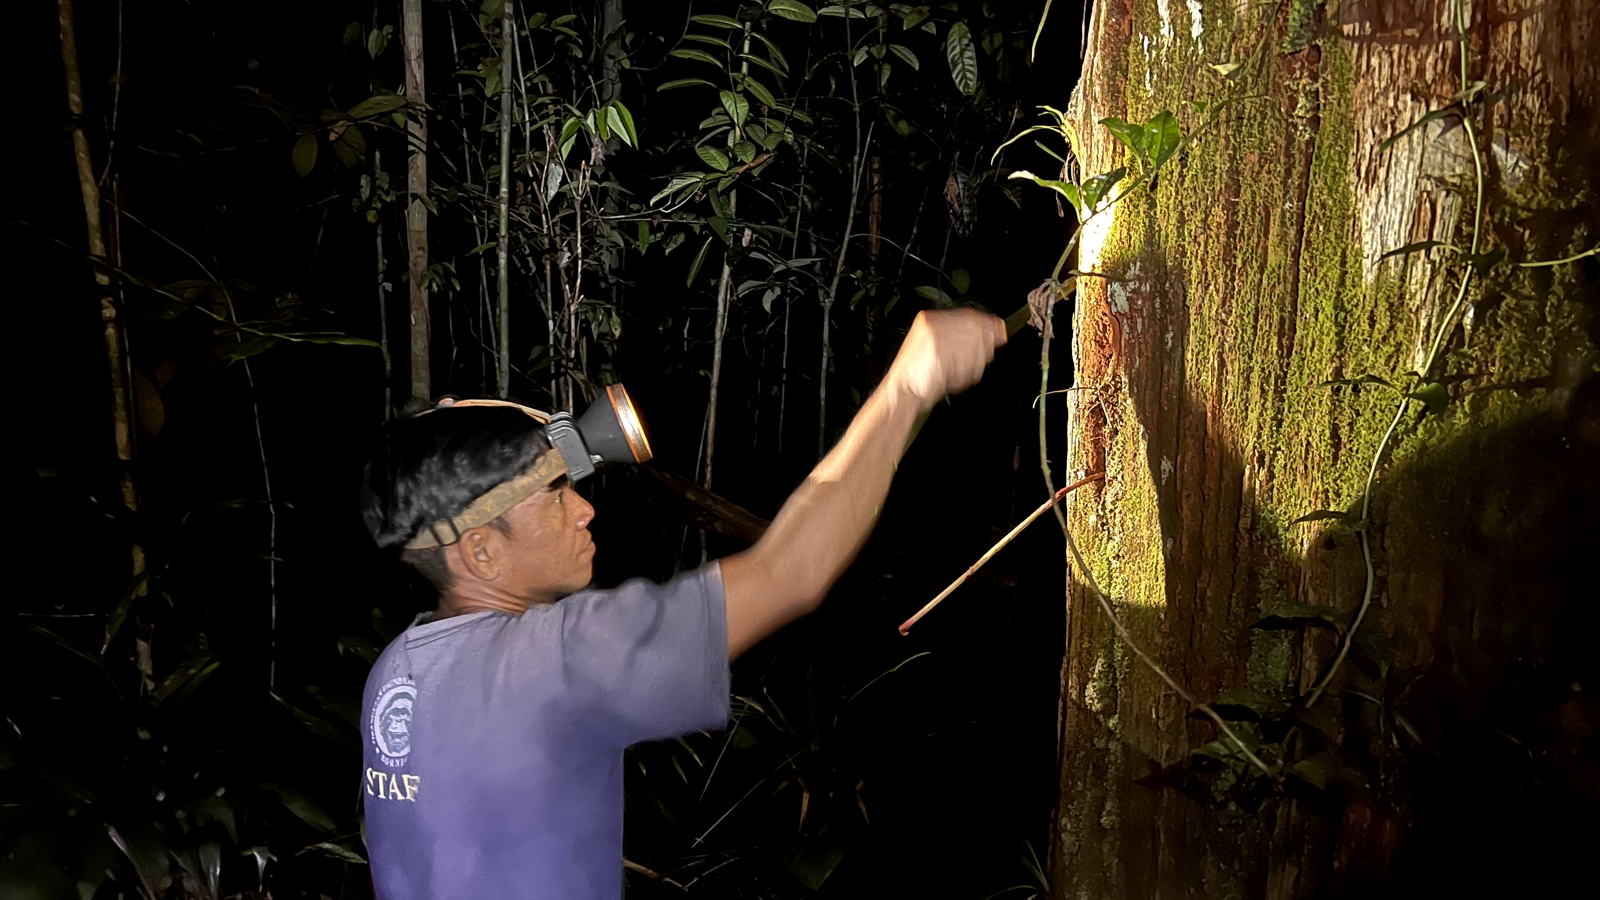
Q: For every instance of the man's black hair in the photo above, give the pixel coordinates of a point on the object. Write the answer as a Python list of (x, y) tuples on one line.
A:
[(433, 466)]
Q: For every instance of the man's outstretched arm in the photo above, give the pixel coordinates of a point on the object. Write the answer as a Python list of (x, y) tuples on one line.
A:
[(823, 524)]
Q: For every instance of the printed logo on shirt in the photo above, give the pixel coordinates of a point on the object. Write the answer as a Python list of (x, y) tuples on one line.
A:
[(391, 720), (392, 787)]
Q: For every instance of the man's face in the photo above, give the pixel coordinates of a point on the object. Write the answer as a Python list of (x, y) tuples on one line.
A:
[(551, 550)]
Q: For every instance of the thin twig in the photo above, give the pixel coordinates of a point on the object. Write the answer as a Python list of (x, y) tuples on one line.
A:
[(905, 627), (651, 873)]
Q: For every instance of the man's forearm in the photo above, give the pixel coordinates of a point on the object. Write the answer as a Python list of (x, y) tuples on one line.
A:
[(827, 519), (823, 524)]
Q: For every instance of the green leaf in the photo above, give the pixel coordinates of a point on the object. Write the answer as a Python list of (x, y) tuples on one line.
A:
[(793, 10), (1314, 770), (377, 41), (1320, 768), (569, 134), (1436, 114), (934, 295), (905, 53), (841, 12), (708, 39), (614, 123), (1378, 648), (697, 55), (185, 671), (699, 259), (756, 60), (119, 613), (963, 58), (727, 22), (1433, 395), (627, 122), (326, 337), (340, 852), (677, 183), (350, 146), (1417, 247), (307, 809), (1296, 615), (899, 123), (642, 243), (737, 106), (1322, 514), (713, 157), (315, 725), (352, 34), (1161, 137), (258, 344), (1131, 135), (812, 861), (779, 62), (1226, 69), (376, 105), (1317, 717), (1065, 188), (305, 154), (961, 280), (760, 91), (682, 82), (1097, 188)]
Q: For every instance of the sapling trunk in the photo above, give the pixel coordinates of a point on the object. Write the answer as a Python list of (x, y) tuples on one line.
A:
[(502, 371), (416, 211), (110, 315), (838, 268), (383, 303)]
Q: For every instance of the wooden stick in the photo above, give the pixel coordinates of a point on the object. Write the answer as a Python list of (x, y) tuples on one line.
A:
[(905, 627)]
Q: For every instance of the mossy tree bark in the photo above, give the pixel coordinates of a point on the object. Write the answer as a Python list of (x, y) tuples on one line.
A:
[(1251, 273)]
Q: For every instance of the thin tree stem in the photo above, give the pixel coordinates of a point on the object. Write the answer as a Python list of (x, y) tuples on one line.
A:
[(502, 372)]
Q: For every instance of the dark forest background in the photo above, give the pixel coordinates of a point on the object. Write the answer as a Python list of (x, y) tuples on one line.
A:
[(194, 731)]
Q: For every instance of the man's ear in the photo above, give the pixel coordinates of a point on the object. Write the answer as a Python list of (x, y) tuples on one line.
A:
[(477, 555)]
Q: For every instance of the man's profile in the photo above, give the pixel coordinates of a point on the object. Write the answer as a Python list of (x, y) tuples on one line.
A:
[(493, 764)]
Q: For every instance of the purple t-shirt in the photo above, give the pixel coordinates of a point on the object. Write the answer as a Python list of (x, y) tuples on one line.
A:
[(493, 745)]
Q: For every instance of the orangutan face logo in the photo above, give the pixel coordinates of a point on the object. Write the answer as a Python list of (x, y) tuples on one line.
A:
[(391, 719)]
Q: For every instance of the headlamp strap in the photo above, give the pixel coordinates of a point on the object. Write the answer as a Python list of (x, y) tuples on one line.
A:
[(495, 502)]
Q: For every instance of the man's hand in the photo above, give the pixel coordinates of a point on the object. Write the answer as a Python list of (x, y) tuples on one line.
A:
[(945, 353), (825, 521)]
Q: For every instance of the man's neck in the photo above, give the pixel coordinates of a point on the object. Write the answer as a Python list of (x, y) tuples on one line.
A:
[(461, 600)]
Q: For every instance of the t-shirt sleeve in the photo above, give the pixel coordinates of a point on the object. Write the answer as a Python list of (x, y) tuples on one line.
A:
[(650, 660)]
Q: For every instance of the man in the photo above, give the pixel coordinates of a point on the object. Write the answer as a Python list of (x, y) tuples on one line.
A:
[(496, 728)]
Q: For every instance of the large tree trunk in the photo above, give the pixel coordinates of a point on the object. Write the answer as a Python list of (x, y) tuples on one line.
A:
[(1246, 278)]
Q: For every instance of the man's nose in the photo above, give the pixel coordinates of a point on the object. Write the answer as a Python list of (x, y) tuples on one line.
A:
[(584, 511)]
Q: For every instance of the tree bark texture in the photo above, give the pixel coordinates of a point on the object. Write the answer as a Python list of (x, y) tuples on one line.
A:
[(1250, 274), (416, 211)]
